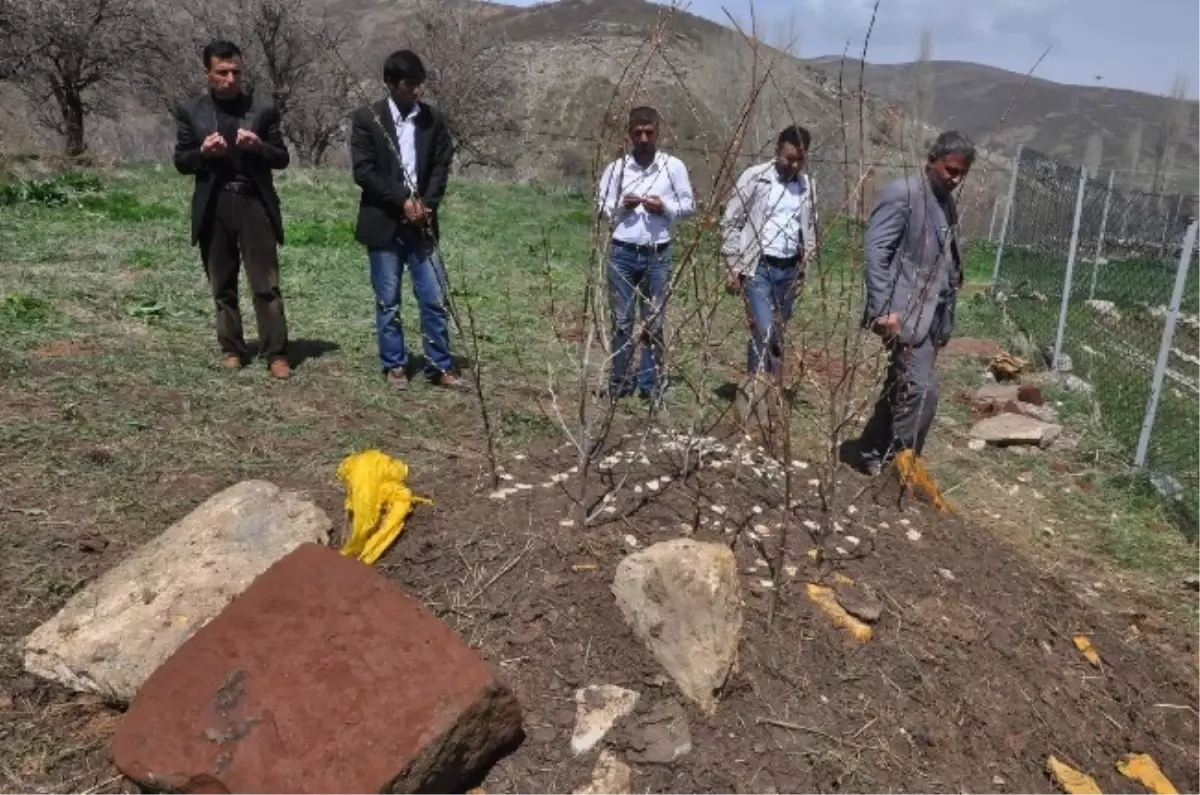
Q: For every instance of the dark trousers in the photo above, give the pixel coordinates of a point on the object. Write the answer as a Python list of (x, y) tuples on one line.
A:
[(240, 232), (908, 402)]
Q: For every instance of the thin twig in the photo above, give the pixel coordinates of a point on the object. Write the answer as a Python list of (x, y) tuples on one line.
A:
[(505, 570)]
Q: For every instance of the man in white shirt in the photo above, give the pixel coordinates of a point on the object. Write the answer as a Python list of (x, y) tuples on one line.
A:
[(642, 195), (769, 232)]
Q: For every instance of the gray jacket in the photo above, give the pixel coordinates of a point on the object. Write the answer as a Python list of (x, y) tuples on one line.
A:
[(911, 259), (746, 216)]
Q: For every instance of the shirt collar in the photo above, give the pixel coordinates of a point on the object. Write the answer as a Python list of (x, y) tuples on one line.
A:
[(655, 164), (398, 117)]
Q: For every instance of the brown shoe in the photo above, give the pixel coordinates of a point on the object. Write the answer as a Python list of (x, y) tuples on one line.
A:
[(453, 381), (280, 369), (231, 361), (397, 379)]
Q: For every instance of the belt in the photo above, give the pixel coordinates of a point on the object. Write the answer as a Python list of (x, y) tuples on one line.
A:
[(657, 248), (241, 188), (779, 262)]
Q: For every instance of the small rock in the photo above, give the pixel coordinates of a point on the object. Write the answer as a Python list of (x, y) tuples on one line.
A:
[(852, 540), (502, 494), (1014, 429), (567, 523), (859, 601), (1192, 582), (598, 708), (661, 736), (610, 776), (682, 600), (913, 535), (998, 781), (652, 485), (631, 540), (976, 444), (946, 574)]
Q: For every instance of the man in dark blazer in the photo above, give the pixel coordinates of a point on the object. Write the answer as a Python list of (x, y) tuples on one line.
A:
[(400, 153), (231, 142)]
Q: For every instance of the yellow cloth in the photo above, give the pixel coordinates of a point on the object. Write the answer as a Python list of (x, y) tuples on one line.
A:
[(914, 477), (377, 501)]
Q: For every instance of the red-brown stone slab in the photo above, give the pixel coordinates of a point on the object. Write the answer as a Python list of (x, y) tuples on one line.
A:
[(322, 676)]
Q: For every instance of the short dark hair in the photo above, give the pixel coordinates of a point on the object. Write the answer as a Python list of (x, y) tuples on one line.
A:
[(643, 114), (796, 136), (221, 50), (403, 65), (952, 142)]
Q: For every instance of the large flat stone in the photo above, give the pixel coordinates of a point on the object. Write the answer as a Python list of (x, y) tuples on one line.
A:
[(110, 636), (682, 599), (322, 677), (1014, 429)]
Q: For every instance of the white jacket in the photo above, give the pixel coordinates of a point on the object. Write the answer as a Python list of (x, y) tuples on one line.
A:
[(746, 215)]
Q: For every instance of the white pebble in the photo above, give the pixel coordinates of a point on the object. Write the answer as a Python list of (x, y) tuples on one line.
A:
[(559, 478), (506, 476), (800, 464), (567, 523), (665, 478), (837, 527), (762, 564), (814, 482), (946, 574), (790, 570), (502, 494), (519, 457), (718, 509), (811, 525), (913, 535), (715, 465), (609, 509), (767, 583), (976, 444), (761, 528), (851, 509), (756, 509), (852, 540), (904, 522), (884, 525), (573, 470), (523, 487), (840, 551), (652, 485), (685, 527), (637, 489), (631, 540)]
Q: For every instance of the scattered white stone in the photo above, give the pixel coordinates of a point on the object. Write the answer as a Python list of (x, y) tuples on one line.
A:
[(631, 540), (790, 570), (637, 489), (884, 525), (665, 478), (976, 444), (502, 494), (852, 540), (718, 509), (761, 529), (811, 525), (814, 482), (837, 527), (685, 527), (652, 485), (597, 709), (567, 523), (559, 478), (573, 470), (523, 487), (767, 583), (757, 509), (519, 457), (904, 522), (506, 476), (609, 509), (715, 465), (610, 775), (851, 509), (946, 574), (548, 484), (762, 564), (840, 550), (913, 535)]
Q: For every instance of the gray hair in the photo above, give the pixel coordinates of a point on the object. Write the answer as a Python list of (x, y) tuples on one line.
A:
[(952, 142)]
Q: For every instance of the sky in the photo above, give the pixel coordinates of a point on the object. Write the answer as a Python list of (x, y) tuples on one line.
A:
[(1138, 45)]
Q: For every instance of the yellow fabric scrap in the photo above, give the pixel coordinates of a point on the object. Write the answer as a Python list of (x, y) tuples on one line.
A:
[(1085, 647), (1143, 769), (824, 598), (915, 479), (1071, 780), (377, 501)]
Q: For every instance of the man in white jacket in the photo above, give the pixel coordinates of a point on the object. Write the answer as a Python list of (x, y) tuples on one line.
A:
[(642, 195), (769, 234)]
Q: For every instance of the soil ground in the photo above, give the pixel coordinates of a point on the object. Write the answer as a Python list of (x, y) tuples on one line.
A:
[(115, 424)]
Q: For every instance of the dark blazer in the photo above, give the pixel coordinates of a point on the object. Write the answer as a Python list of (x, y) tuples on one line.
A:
[(195, 120), (377, 171)]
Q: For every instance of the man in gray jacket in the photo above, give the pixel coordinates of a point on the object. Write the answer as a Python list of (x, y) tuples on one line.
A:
[(913, 269)]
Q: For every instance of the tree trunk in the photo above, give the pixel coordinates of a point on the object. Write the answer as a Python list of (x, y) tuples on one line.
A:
[(71, 104)]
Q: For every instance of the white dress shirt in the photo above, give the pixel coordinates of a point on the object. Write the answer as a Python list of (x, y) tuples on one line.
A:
[(781, 229), (665, 177), (406, 138)]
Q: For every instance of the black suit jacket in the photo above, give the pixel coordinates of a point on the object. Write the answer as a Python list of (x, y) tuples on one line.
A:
[(195, 120), (377, 171)]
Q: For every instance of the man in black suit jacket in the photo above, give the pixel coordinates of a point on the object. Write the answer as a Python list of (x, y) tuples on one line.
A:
[(400, 153), (231, 142)]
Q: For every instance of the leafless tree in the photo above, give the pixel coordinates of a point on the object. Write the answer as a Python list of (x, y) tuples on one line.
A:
[(291, 51), (1171, 131), (70, 56), (470, 76)]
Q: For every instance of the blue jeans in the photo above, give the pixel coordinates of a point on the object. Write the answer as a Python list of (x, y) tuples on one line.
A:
[(637, 280), (428, 281), (770, 295)]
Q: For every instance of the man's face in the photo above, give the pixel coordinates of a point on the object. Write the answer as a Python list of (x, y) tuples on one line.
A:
[(406, 92), (789, 159), (225, 76), (947, 173), (644, 138)]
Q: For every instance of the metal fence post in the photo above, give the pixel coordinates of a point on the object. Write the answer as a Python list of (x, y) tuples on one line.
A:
[(992, 225), (1164, 349), (1070, 274), (1008, 207), (1100, 237)]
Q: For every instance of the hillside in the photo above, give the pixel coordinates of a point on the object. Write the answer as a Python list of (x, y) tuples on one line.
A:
[(1052, 117)]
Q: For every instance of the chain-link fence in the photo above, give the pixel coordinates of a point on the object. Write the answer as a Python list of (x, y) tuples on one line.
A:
[(1101, 278)]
